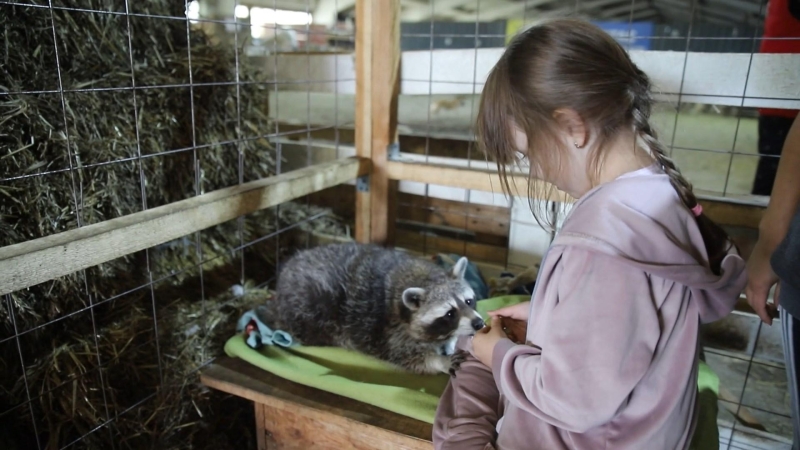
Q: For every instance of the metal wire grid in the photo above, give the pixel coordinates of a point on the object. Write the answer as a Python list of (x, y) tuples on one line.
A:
[(196, 147), (690, 41), (196, 153), (734, 153), (736, 430)]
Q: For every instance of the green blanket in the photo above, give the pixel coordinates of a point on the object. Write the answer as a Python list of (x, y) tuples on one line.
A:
[(368, 380)]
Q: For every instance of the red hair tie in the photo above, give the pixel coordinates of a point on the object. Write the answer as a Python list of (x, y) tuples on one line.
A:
[(697, 210)]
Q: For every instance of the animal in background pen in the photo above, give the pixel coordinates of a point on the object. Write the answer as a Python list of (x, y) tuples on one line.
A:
[(384, 303)]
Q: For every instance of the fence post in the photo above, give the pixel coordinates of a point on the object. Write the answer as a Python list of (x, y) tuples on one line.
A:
[(377, 89)]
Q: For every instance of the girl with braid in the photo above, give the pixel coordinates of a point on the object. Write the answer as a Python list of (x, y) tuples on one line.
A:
[(609, 358)]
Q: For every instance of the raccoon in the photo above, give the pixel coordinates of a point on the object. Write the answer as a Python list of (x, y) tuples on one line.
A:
[(403, 310)]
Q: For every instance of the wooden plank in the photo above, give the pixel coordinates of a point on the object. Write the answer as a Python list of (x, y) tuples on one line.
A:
[(392, 212), (460, 221), (720, 210), (363, 217), (499, 213), (462, 177), (482, 220), (431, 244), (385, 36), (340, 199), (733, 214), (39, 260), (363, 114), (293, 427), (261, 432), (492, 220), (370, 423), (457, 233)]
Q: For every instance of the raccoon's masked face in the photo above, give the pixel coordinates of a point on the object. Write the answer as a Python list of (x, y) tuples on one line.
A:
[(444, 310)]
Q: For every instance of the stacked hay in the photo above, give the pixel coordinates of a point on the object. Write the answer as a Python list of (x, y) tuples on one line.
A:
[(96, 366)]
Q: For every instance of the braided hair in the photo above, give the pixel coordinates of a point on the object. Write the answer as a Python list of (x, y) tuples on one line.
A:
[(716, 239)]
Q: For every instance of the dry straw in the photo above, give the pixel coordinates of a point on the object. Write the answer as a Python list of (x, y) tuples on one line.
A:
[(77, 162)]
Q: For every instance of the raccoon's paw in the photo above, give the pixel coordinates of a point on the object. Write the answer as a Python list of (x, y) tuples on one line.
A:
[(456, 360)]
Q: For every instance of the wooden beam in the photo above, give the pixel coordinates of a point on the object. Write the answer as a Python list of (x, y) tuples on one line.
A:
[(363, 128), (30, 263), (385, 37), (372, 426), (261, 435), (363, 115), (432, 244), (465, 178), (720, 210)]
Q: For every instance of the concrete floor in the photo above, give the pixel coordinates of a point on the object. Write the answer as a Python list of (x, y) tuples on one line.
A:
[(748, 358), (702, 141)]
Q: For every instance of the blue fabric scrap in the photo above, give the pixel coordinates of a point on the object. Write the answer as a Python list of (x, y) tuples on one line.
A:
[(262, 335)]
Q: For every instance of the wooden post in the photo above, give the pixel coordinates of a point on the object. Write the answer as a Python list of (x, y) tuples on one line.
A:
[(377, 89), (363, 138)]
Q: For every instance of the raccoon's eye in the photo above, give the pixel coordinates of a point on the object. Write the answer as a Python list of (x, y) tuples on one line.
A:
[(468, 302), (450, 314)]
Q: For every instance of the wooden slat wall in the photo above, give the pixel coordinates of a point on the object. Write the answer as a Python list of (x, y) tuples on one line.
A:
[(431, 225)]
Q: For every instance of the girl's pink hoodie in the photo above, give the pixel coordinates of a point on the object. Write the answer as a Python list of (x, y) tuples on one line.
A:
[(611, 355)]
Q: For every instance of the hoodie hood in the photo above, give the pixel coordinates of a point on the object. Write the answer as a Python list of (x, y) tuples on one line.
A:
[(640, 219)]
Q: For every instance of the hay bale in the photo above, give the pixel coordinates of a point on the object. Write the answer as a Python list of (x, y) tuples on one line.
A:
[(100, 133), (88, 359), (150, 408)]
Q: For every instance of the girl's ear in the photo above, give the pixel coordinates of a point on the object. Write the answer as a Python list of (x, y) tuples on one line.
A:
[(573, 125)]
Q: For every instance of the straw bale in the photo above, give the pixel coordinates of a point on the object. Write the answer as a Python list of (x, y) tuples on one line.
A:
[(96, 132), (87, 156)]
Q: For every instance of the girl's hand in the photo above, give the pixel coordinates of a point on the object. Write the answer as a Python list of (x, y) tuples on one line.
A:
[(484, 341), (519, 311)]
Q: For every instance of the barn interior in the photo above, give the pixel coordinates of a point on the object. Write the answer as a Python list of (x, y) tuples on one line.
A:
[(112, 108)]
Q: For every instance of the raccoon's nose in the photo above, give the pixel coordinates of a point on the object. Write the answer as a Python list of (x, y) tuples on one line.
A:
[(477, 324)]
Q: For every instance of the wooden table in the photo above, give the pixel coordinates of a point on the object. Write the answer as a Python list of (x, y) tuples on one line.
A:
[(293, 416)]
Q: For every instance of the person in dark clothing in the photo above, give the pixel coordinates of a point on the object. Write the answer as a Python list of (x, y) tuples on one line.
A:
[(782, 22), (776, 260)]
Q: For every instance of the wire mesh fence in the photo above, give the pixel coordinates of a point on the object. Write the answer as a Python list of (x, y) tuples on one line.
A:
[(108, 109), (716, 135)]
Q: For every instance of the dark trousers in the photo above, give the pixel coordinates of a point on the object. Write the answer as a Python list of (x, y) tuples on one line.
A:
[(772, 131), (790, 328)]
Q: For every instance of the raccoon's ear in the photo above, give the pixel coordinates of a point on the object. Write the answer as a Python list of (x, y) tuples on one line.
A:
[(412, 298), (460, 269)]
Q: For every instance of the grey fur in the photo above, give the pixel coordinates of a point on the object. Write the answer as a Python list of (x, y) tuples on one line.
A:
[(380, 302)]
